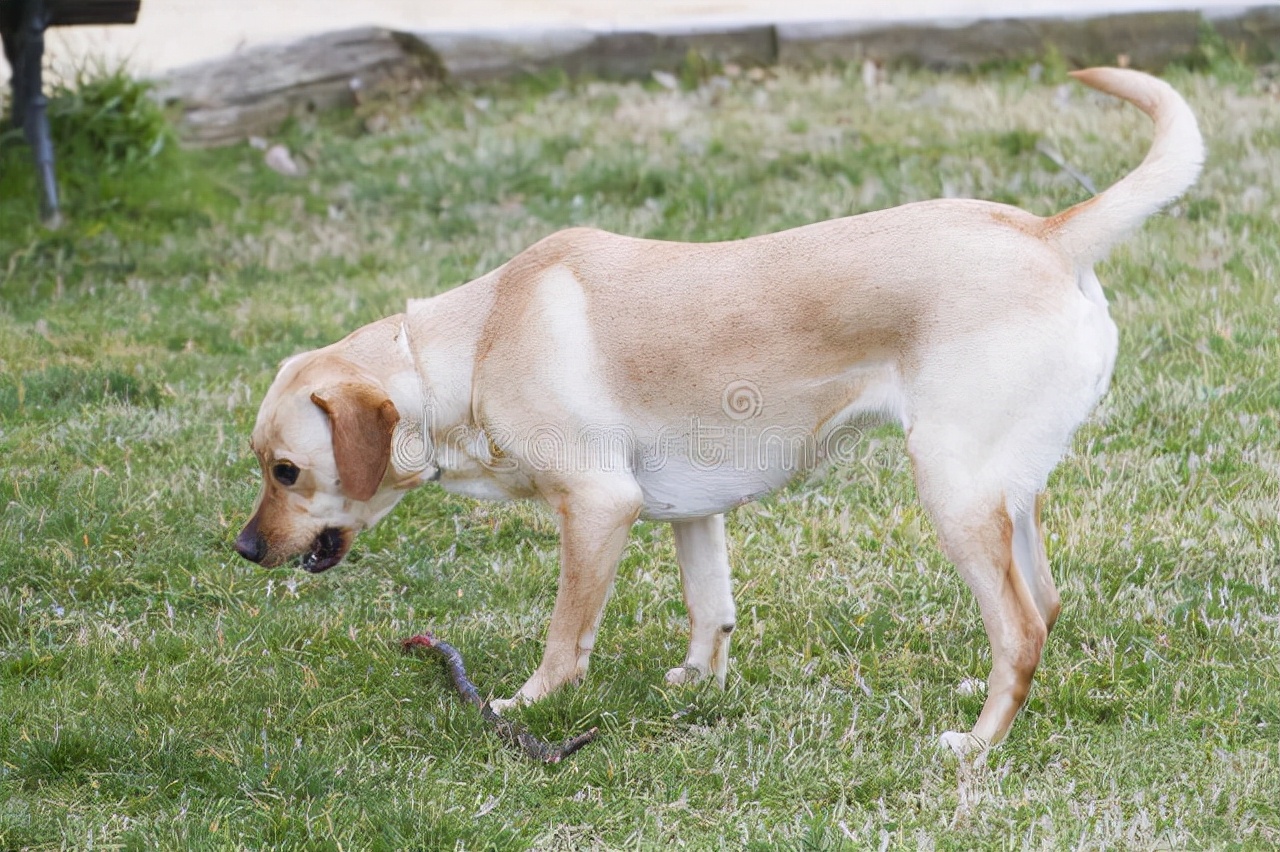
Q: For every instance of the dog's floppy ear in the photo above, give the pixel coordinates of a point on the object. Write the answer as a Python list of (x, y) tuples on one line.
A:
[(362, 419)]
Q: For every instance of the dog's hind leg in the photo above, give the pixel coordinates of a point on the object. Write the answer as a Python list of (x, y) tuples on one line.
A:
[(1033, 563), (595, 518), (704, 573), (978, 534), (980, 544)]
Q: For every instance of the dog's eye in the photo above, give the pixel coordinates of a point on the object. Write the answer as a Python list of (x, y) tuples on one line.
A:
[(286, 473)]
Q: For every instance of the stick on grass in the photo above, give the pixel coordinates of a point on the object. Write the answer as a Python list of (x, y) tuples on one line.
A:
[(533, 747)]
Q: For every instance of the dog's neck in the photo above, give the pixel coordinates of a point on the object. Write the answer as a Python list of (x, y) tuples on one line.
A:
[(438, 338)]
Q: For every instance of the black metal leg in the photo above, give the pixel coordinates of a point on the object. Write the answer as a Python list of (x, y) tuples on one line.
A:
[(25, 49)]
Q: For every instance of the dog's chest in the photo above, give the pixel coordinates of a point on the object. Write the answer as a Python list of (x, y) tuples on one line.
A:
[(472, 465)]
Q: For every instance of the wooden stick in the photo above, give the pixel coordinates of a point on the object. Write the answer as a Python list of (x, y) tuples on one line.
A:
[(512, 732)]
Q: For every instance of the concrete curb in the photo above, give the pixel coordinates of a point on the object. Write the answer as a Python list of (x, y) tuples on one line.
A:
[(1149, 40), (261, 87), (490, 55)]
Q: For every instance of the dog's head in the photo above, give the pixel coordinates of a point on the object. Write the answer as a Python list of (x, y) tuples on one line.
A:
[(323, 440)]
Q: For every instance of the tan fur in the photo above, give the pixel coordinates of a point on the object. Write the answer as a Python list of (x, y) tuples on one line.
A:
[(614, 378)]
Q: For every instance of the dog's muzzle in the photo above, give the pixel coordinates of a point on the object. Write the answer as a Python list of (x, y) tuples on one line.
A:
[(326, 551)]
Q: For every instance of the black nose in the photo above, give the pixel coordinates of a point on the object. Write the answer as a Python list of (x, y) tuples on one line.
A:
[(250, 544)]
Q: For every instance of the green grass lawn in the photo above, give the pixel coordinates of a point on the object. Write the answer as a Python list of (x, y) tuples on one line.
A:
[(160, 692)]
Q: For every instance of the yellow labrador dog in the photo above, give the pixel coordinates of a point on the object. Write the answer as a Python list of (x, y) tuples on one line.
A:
[(616, 378)]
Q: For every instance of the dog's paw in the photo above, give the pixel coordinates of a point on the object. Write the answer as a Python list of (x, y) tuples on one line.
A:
[(962, 745), (685, 674), (502, 705)]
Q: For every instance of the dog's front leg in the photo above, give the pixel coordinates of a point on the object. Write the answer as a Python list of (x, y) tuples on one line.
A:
[(704, 573), (595, 517)]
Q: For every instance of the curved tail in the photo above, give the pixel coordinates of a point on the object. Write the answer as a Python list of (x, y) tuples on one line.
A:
[(1088, 230)]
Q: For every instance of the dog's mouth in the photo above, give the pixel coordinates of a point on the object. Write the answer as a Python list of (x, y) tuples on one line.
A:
[(326, 551)]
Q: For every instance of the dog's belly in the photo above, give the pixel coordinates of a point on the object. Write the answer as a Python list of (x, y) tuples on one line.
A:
[(681, 487), (708, 467), (715, 469)]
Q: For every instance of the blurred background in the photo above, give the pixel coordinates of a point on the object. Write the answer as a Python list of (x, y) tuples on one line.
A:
[(173, 33)]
